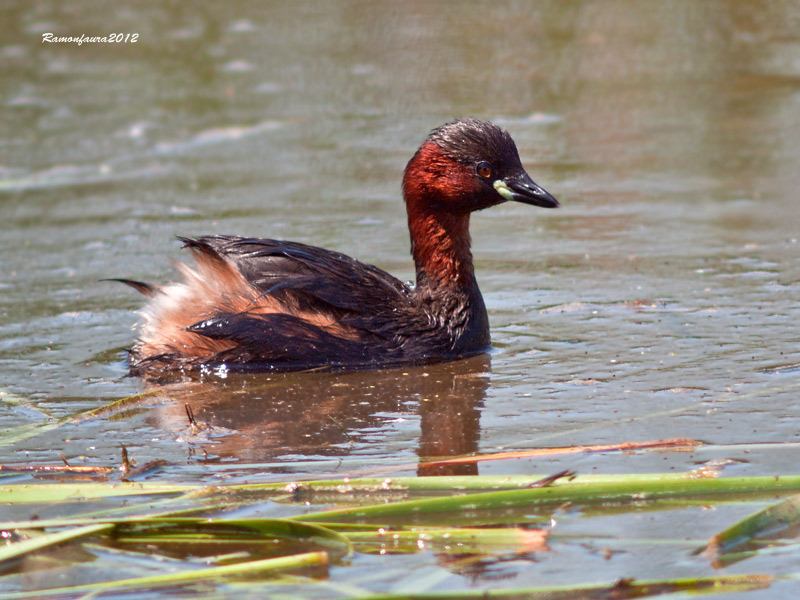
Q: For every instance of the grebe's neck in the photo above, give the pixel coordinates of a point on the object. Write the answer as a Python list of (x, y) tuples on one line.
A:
[(440, 245), (446, 287)]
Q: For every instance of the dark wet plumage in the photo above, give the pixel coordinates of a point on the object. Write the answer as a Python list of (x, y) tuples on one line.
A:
[(267, 304)]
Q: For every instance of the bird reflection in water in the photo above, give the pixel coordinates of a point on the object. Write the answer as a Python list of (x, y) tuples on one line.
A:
[(334, 414)]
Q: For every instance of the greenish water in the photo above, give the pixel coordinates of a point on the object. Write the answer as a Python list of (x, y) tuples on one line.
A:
[(662, 300)]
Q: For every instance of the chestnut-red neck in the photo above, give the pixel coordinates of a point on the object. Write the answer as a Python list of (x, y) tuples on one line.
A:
[(440, 245), (439, 226)]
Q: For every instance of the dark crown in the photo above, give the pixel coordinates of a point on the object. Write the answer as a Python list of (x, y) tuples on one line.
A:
[(468, 141)]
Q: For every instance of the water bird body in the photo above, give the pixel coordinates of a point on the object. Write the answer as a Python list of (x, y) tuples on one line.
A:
[(263, 304)]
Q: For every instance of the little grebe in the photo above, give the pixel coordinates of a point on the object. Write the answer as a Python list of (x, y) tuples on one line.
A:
[(267, 304)]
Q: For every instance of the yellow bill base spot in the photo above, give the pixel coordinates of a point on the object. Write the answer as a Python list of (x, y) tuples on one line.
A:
[(503, 189)]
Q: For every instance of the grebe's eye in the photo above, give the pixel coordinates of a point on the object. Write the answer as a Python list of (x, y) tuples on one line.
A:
[(484, 169)]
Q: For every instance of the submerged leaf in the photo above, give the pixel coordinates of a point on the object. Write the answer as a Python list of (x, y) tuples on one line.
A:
[(164, 530), (250, 569), (622, 589), (778, 520), (17, 550)]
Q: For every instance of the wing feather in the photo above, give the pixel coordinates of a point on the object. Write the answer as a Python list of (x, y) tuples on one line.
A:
[(282, 304)]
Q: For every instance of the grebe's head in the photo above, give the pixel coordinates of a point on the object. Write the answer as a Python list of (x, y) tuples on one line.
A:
[(468, 165)]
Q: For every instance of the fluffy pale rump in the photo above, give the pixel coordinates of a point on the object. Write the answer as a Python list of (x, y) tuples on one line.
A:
[(259, 302)]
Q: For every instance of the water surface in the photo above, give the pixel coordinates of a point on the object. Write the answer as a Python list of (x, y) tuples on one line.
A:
[(662, 300)]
